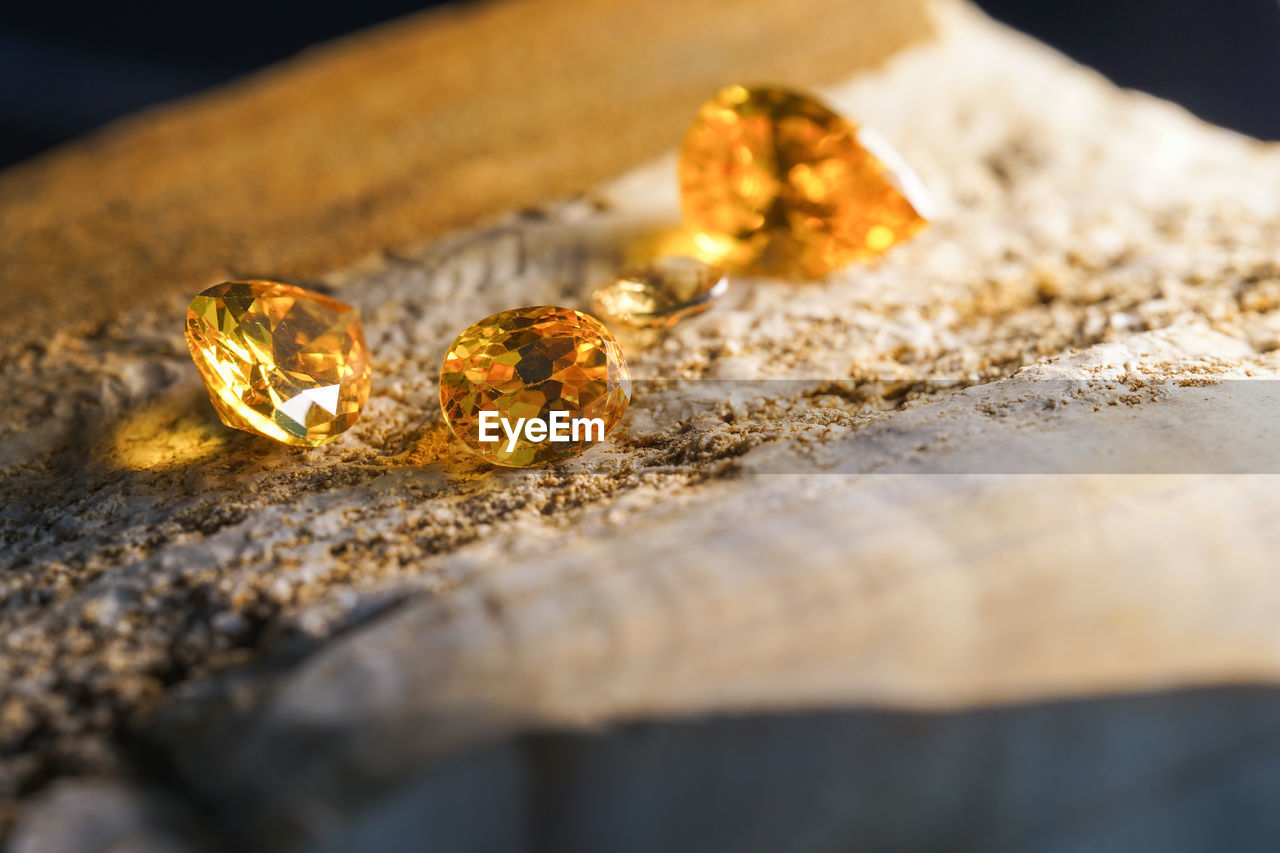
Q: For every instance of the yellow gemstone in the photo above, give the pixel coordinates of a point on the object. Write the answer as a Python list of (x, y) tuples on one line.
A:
[(774, 181), (279, 360), (660, 293), (509, 372)]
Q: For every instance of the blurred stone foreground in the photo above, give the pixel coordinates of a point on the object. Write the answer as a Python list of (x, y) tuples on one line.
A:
[(739, 625)]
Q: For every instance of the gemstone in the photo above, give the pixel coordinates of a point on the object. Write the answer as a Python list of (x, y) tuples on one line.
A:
[(660, 293), (545, 365), (774, 181), (279, 360)]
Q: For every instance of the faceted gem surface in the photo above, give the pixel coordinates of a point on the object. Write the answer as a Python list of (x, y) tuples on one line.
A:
[(530, 363), (660, 293), (280, 360), (774, 181)]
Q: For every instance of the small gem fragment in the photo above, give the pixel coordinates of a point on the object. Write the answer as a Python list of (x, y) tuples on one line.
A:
[(279, 360), (534, 385), (660, 293), (773, 181)]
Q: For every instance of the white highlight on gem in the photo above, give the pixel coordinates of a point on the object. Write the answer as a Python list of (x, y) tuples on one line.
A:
[(559, 428), (326, 397)]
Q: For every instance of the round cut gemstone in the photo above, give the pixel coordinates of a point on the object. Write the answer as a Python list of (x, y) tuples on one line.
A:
[(533, 385), (775, 181), (280, 360), (660, 293)]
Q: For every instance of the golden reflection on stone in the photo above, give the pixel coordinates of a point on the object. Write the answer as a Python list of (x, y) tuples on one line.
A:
[(669, 241), (163, 434)]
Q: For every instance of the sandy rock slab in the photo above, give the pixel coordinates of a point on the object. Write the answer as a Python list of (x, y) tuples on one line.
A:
[(1026, 457)]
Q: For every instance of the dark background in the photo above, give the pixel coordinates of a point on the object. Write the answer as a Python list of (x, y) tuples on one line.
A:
[(67, 68)]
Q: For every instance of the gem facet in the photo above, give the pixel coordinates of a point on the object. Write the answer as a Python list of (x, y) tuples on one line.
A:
[(524, 366), (660, 293), (773, 180), (279, 360)]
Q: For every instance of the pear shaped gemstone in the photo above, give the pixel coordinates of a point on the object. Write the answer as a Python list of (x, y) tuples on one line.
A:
[(774, 181)]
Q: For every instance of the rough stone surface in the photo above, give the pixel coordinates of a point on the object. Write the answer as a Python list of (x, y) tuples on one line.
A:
[(296, 632), (85, 816)]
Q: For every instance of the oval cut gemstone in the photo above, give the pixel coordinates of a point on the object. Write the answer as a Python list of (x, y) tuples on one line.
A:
[(660, 293), (772, 180), (280, 360), (533, 385)]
